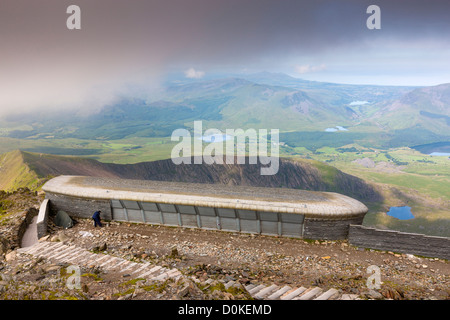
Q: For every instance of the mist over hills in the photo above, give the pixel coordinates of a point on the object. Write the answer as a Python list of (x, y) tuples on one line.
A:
[(374, 116)]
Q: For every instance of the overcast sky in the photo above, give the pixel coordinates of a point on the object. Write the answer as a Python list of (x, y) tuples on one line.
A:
[(45, 65)]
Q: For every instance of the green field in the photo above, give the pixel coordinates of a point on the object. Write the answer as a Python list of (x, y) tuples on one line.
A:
[(132, 150), (404, 176)]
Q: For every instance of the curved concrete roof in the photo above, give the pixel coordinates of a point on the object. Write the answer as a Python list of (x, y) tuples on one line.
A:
[(309, 203)]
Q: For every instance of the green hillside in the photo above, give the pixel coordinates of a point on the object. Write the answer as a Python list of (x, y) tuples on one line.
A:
[(299, 173), (15, 173), (399, 177), (304, 111)]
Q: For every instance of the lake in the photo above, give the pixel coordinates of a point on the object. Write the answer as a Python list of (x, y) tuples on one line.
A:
[(216, 137), (435, 149), (442, 154), (401, 213), (337, 128), (358, 103)]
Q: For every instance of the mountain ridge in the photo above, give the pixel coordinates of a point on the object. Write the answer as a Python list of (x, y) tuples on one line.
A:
[(297, 174), (387, 116)]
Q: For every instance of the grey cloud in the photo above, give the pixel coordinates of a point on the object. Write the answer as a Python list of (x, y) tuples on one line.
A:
[(44, 64)]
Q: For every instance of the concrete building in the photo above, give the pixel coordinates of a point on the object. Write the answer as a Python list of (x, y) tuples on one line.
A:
[(270, 211)]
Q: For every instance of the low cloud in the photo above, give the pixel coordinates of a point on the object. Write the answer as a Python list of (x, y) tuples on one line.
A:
[(309, 69), (191, 73), (123, 43)]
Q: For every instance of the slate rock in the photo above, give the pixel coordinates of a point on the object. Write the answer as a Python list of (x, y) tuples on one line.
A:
[(62, 219)]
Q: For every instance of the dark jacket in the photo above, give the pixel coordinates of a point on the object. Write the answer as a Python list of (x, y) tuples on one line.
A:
[(96, 215)]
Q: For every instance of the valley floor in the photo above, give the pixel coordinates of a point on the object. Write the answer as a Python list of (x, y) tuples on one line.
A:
[(404, 177)]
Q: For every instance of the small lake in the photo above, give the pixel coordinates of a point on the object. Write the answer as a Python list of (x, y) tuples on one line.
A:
[(216, 137), (401, 213), (358, 103), (337, 128), (435, 149), (442, 154)]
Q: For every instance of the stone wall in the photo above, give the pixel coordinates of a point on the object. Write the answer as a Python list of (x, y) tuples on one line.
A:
[(389, 240), (328, 229), (79, 207), (246, 221), (42, 220)]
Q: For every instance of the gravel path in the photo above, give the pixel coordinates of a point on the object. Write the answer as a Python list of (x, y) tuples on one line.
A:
[(270, 260)]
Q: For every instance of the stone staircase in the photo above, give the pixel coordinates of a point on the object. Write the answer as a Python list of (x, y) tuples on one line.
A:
[(59, 252), (275, 292)]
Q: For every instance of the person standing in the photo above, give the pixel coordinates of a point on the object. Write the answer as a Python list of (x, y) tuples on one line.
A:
[(96, 218)]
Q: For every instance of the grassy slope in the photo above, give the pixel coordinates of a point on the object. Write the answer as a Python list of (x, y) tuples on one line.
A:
[(424, 186), (15, 173)]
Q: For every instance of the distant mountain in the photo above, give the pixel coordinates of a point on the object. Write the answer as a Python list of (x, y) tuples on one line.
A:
[(380, 116), (421, 116), (304, 174), (335, 93), (427, 107)]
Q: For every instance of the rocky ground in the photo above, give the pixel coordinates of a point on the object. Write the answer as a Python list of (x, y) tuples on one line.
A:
[(205, 257)]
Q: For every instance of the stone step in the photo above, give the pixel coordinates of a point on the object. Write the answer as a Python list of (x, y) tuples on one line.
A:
[(60, 252), (42, 250), (229, 284), (36, 247), (120, 263), (106, 263), (131, 265), (165, 275), (266, 291), (77, 254), (346, 296), (30, 248), (309, 294), (86, 258), (250, 286), (99, 259), (135, 267), (141, 267), (151, 271), (256, 289), (291, 294), (43, 247), (277, 294), (54, 252), (328, 294), (83, 257), (70, 256), (160, 277), (173, 272), (273, 292)]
